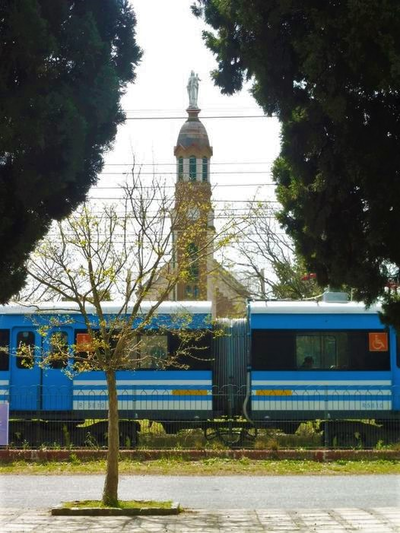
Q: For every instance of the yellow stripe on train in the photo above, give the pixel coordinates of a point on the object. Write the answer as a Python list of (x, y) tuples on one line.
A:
[(188, 392)]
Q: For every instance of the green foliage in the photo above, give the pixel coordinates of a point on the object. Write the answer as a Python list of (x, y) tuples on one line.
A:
[(213, 466), (330, 71), (74, 459), (120, 504), (64, 65)]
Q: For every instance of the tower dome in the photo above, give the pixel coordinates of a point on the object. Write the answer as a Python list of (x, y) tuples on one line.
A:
[(193, 150), (193, 137)]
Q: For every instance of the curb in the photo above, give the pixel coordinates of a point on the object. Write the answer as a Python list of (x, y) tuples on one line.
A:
[(115, 511), (321, 455)]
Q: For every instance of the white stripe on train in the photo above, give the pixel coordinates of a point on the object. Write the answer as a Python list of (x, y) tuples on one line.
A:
[(139, 381), (332, 383), (156, 405), (322, 405), (148, 392)]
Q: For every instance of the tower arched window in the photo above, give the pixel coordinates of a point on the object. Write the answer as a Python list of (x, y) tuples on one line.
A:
[(192, 251), (192, 292), (192, 168), (180, 169), (205, 169), (188, 292)]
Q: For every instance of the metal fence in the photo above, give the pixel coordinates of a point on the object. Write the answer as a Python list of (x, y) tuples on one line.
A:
[(154, 419)]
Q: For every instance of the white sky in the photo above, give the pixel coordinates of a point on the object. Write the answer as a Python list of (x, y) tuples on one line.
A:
[(170, 37)]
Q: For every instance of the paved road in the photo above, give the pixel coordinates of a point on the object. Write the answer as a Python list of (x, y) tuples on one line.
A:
[(219, 492)]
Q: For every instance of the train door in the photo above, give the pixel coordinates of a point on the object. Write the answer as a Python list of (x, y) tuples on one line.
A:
[(25, 394), (4, 365), (56, 385), (395, 366), (33, 388)]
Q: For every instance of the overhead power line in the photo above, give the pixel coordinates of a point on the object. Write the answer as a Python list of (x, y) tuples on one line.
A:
[(219, 172), (139, 165), (214, 186), (203, 117), (259, 185), (210, 108), (170, 200), (233, 213)]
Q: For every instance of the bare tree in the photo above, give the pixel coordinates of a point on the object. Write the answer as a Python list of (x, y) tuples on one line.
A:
[(119, 254), (266, 260)]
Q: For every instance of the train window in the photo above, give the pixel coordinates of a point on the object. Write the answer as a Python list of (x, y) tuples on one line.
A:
[(4, 349), (361, 356), (273, 350), (151, 351), (87, 343), (59, 350), (192, 353), (25, 349), (83, 347), (317, 350)]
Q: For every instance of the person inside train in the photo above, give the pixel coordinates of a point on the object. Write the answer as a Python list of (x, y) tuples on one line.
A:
[(307, 363)]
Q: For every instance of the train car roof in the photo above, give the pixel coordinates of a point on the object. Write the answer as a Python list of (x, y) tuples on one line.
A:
[(167, 308), (311, 307)]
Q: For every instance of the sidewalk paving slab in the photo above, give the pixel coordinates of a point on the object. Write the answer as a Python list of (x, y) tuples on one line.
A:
[(380, 520)]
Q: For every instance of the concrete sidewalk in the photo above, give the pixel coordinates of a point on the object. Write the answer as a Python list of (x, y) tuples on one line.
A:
[(379, 520)]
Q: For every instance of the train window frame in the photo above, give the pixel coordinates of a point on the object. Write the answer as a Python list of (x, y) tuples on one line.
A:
[(203, 360), (4, 350), (355, 354), (25, 362)]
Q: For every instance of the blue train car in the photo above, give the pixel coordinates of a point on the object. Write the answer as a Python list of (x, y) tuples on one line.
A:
[(322, 360), (151, 390), (289, 362)]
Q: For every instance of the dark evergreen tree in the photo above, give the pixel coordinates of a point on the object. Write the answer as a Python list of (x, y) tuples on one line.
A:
[(331, 72), (63, 67)]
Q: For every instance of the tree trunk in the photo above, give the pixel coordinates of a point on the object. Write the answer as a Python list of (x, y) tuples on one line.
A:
[(110, 492)]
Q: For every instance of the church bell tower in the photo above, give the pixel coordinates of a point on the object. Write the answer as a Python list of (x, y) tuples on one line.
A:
[(193, 202)]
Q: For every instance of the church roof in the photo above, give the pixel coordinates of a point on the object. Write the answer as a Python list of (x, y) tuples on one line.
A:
[(193, 134)]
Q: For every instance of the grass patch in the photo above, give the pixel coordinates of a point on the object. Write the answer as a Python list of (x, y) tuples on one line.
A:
[(207, 467), (122, 504)]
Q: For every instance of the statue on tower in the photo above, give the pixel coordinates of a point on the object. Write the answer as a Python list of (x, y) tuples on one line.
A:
[(193, 89)]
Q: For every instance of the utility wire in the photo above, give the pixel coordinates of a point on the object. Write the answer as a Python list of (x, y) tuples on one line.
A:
[(213, 108), (229, 172), (214, 186), (203, 117), (174, 164), (170, 200)]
